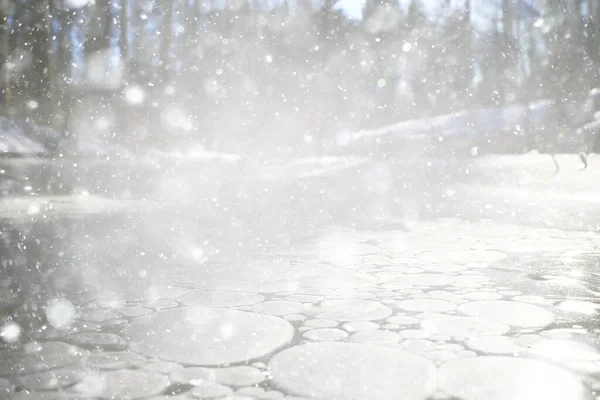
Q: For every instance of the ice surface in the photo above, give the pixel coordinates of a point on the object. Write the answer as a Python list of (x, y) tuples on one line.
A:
[(426, 305), (325, 334), (464, 327), (494, 345), (210, 390), (360, 326), (207, 336), (115, 360), (48, 380), (278, 307), (38, 357), (220, 299), (563, 350), (320, 323), (337, 279), (354, 310), (429, 279), (376, 337), (503, 378), (509, 312), (231, 376), (402, 320), (97, 341), (132, 384), (353, 371)]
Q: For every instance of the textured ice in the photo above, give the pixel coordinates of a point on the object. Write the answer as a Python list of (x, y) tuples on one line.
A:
[(354, 310), (402, 320), (418, 345), (320, 323), (295, 317), (304, 298), (426, 305), (429, 280), (135, 311), (231, 376), (207, 336), (54, 379), (97, 341), (397, 273), (360, 326), (337, 279), (398, 285), (38, 357), (210, 390), (97, 315), (563, 350), (353, 371), (161, 304), (415, 334), (464, 327), (326, 334), (210, 298), (463, 257), (565, 333), (443, 267), (483, 295), (115, 360), (504, 378), (440, 356), (444, 295), (494, 345), (509, 312), (132, 384), (471, 278), (278, 307), (376, 337), (161, 367)]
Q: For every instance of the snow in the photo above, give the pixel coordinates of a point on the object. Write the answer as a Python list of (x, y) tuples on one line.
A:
[(353, 371), (60, 313), (207, 336), (10, 332)]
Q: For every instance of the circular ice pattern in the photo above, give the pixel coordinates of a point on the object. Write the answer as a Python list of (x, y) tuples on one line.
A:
[(207, 336), (353, 371)]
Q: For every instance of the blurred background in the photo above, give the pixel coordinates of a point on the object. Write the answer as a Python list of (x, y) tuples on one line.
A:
[(285, 75)]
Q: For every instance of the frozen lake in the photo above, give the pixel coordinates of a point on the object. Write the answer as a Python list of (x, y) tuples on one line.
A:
[(490, 292)]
